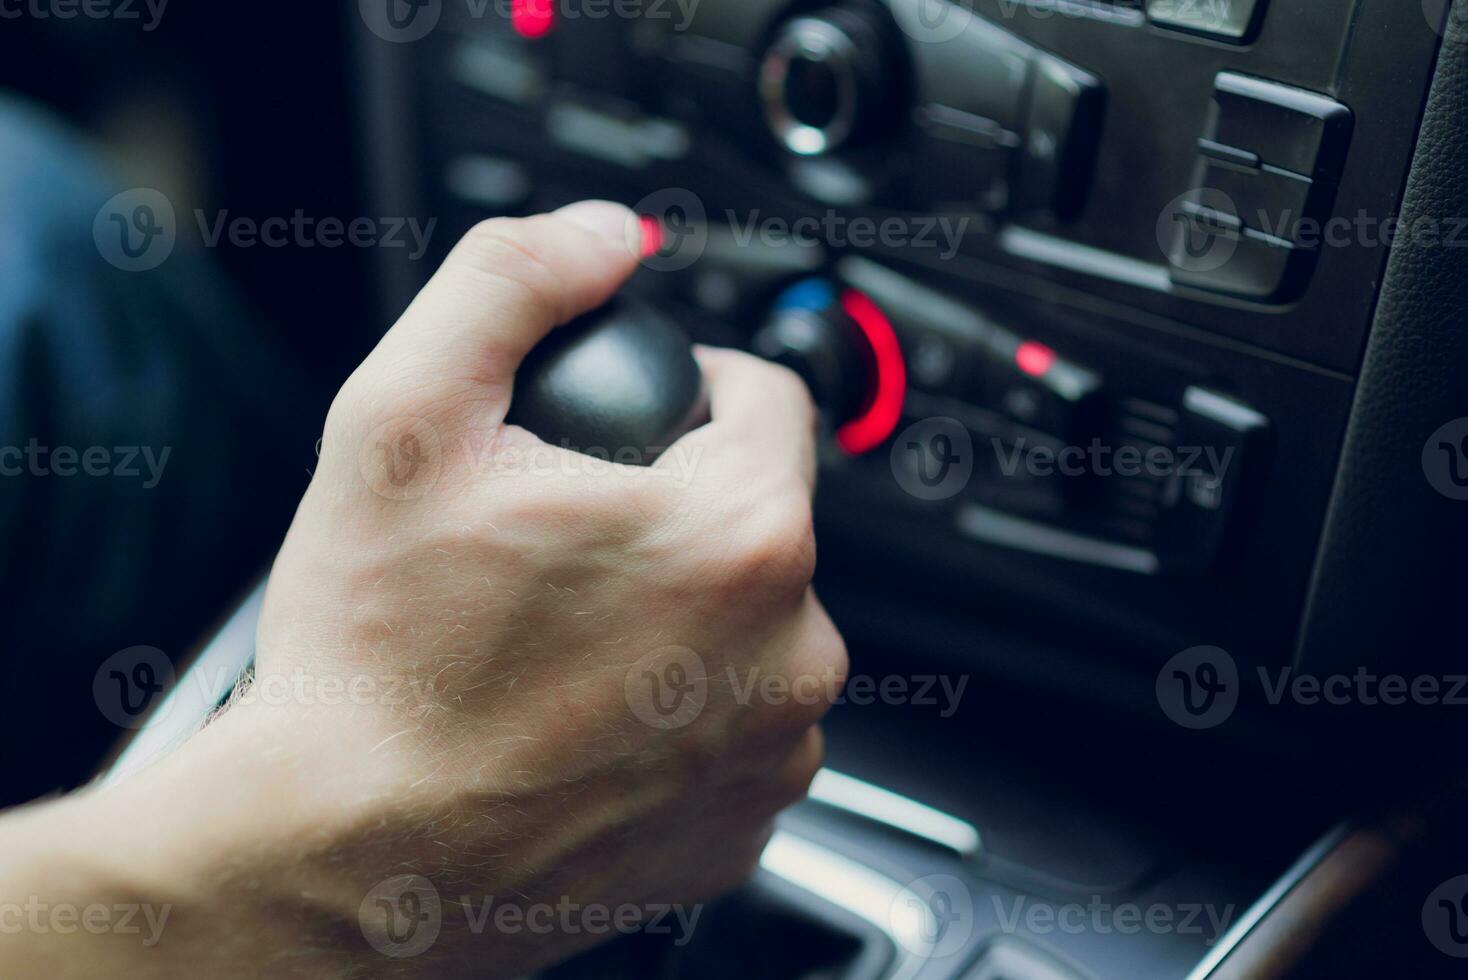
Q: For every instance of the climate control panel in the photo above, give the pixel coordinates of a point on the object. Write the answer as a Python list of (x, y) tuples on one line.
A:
[(1048, 268)]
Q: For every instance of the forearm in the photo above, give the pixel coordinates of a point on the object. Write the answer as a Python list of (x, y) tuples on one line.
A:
[(214, 861)]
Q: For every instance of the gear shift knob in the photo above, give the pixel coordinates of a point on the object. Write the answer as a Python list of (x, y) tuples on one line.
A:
[(620, 381)]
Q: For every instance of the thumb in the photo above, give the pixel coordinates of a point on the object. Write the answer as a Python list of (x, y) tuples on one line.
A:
[(506, 284)]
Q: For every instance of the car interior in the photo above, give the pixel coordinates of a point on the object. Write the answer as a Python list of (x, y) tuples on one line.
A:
[(1137, 328)]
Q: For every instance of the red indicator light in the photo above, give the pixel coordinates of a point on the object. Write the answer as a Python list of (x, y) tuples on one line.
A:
[(532, 19), (652, 235), (889, 390), (1034, 359)]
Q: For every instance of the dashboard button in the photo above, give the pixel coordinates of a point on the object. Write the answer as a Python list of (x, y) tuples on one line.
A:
[(966, 62), (1207, 254), (1272, 201), (1232, 20), (829, 79), (1032, 385), (1288, 128), (1063, 124), (963, 160), (1216, 437)]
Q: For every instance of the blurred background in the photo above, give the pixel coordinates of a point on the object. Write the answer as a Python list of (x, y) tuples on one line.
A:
[(224, 108)]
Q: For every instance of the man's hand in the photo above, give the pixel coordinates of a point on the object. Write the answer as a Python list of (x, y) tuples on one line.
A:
[(489, 670)]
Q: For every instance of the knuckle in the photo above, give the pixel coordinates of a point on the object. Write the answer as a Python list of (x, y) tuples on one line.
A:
[(498, 249), (777, 548)]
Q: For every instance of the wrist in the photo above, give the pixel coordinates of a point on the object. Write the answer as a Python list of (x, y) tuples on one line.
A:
[(232, 852)]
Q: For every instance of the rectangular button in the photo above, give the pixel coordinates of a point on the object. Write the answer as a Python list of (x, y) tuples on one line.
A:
[(1230, 19), (962, 160), (1208, 254), (1272, 201), (966, 62), (1215, 436), (1064, 122), (1037, 388), (1285, 127)]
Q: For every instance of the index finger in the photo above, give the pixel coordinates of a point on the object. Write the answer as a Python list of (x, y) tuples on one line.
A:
[(762, 416)]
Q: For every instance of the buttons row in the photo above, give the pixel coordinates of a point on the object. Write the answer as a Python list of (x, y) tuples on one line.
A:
[(989, 102), (1268, 163), (1019, 396)]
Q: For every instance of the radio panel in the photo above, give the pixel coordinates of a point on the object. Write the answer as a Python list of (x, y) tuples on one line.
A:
[(1067, 353)]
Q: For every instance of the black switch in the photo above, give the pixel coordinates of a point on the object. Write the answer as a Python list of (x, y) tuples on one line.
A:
[(1289, 128), (963, 161), (1217, 438), (1032, 385), (1274, 202), (966, 62), (1063, 125)]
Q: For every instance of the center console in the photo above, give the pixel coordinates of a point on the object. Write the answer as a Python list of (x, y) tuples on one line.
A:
[(1083, 285), (1083, 288)]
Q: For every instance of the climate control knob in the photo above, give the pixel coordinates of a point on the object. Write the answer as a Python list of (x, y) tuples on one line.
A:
[(845, 349), (829, 79)]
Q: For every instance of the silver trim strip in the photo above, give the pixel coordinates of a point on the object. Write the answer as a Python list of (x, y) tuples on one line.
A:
[(1008, 531), (1268, 901), (206, 682), (893, 908), (852, 795)]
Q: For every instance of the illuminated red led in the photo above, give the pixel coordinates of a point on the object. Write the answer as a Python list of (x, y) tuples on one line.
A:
[(889, 391), (1034, 359), (652, 235), (532, 19)]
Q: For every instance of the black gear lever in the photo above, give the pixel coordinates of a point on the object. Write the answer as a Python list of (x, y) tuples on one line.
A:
[(620, 381)]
